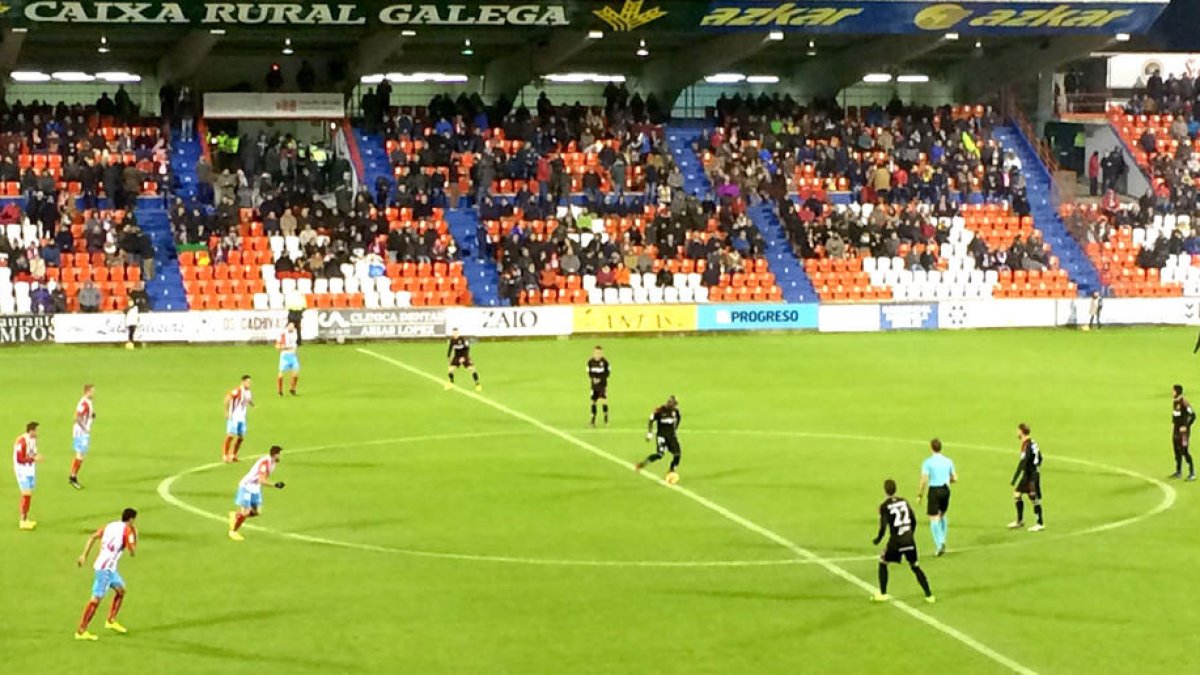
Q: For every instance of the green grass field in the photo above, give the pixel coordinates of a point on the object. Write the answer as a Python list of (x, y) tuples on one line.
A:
[(425, 531)]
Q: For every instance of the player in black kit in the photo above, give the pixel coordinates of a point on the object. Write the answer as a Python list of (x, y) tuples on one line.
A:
[(1027, 480), (598, 372), (459, 352), (666, 418), (897, 519), (1182, 417)]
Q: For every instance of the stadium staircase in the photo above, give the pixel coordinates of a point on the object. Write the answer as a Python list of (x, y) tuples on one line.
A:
[(679, 142), (483, 277), (184, 155), (1044, 209), (789, 272), (373, 152), (166, 287)]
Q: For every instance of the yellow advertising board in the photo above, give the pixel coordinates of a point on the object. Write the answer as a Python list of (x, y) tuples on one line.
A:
[(634, 318)]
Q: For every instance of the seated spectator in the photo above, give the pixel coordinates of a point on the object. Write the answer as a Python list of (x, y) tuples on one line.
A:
[(58, 296), (40, 299), (139, 298), (606, 277), (89, 297)]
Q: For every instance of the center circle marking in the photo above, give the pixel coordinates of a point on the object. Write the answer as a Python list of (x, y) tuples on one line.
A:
[(164, 492)]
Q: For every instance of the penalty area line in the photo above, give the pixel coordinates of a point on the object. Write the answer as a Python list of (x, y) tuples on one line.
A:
[(745, 523)]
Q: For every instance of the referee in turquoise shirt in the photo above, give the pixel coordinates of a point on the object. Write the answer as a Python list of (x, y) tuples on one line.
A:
[(937, 473)]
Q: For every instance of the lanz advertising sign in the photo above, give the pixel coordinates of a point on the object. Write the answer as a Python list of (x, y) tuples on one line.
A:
[(988, 17), (634, 318)]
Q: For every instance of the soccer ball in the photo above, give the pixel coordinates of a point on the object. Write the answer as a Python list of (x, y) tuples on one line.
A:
[(672, 478)]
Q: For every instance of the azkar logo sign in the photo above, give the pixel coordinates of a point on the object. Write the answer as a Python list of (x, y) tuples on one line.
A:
[(909, 16), (950, 15), (783, 15)]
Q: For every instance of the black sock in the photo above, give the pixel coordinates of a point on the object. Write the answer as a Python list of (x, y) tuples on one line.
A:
[(1178, 462), (451, 376), (883, 578), (652, 458), (605, 413), (1191, 467), (475, 376), (1020, 511), (593, 413), (1037, 509), (921, 579), (674, 461)]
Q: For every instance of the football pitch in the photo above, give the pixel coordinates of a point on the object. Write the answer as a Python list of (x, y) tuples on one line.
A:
[(426, 531)]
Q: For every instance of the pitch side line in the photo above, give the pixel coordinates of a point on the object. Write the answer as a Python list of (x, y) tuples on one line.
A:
[(800, 551)]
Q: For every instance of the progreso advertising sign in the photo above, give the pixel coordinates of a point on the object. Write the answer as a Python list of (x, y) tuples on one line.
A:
[(906, 16), (756, 317)]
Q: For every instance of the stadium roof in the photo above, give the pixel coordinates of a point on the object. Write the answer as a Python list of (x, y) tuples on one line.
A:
[(513, 41)]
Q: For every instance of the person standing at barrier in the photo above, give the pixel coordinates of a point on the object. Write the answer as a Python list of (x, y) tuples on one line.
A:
[(1094, 308), (296, 305)]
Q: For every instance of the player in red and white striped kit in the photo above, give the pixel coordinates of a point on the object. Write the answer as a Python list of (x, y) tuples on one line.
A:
[(81, 433), (250, 491), (25, 459), (237, 406), (115, 538)]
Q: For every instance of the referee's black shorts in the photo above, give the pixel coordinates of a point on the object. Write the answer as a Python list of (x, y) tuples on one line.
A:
[(939, 500)]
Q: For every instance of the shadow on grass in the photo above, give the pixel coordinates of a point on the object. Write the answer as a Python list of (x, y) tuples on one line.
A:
[(337, 465), (573, 477), (773, 596), (190, 649)]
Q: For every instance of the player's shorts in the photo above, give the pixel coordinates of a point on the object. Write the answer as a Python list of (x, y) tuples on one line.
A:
[(104, 580), (600, 392), (462, 362), (26, 481), (235, 427), (1031, 487), (668, 444), (289, 362), (1180, 441), (81, 442), (248, 499), (897, 551), (939, 500)]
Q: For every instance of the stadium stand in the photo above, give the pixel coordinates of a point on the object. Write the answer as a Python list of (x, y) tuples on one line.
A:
[(252, 266), (1160, 127), (1140, 253), (101, 251)]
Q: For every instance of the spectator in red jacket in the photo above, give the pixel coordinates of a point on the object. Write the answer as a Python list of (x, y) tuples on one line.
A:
[(1093, 173)]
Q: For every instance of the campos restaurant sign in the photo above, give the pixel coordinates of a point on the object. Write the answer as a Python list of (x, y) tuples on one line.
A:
[(297, 14)]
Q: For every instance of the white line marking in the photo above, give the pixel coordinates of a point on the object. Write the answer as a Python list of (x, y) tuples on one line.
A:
[(1168, 491), (164, 492), (800, 551)]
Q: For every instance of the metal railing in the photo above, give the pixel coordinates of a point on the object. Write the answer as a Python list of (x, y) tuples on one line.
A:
[(1014, 114)]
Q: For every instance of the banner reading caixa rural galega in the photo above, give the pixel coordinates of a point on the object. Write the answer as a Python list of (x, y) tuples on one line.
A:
[(995, 17)]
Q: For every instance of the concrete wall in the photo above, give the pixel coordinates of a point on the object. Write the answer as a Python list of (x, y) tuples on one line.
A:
[(1102, 138)]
